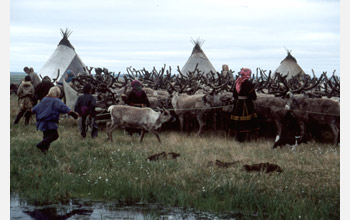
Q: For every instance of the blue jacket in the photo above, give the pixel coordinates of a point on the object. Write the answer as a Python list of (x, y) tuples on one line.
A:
[(48, 112), (70, 77)]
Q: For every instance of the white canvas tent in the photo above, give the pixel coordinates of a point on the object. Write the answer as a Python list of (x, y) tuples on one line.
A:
[(63, 58), (198, 57), (70, 94), (289, 66)]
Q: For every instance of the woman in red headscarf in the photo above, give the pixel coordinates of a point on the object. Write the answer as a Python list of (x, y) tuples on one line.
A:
[(243, 117)]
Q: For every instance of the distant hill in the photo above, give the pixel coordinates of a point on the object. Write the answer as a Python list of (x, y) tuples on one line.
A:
[(17, 77), (18, 73)]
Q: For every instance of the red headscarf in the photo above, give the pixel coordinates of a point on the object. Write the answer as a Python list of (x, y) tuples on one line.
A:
[(245, 74)]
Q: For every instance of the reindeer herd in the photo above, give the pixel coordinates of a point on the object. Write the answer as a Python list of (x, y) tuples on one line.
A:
[(205, 100)]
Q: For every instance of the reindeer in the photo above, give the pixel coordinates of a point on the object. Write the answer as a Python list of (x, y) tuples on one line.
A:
[(13, 88), (188, 107), (46, 78), (270, 108), (306, 110), (140, 118), (318, 110)]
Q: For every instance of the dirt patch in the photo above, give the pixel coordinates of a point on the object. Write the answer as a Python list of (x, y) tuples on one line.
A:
[(263, 167), (163, 155)]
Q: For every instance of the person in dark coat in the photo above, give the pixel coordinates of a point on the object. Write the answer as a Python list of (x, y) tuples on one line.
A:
[(47, 115), (138, 98), (25, 95), (43, 88), (243, 116), (85, 106)]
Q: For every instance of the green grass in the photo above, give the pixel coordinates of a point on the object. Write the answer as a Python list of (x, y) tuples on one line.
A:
[(308, 187)]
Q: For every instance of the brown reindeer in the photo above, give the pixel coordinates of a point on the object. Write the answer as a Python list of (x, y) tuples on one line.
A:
[(318, 110)]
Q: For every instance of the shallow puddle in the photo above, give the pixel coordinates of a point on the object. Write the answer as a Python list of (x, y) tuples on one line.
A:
[(84, 209)]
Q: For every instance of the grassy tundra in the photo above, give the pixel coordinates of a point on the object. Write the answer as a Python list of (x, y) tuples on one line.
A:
[(308, 187)]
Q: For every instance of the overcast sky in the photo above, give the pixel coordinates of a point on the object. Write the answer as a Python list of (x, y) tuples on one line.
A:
[(138, 33)]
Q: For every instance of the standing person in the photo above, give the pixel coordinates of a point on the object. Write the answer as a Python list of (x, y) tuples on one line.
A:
[(25, 95), (243, 117), (85, 107), (138, 98), (43, 88), (47, 116), (34, 77), (70, 77)]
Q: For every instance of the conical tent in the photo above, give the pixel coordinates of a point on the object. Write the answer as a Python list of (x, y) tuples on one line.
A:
[(198, 57), (289, 66), (63, 58)]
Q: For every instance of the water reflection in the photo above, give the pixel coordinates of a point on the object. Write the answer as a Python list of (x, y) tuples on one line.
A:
[(85, 209), (51, 213)]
